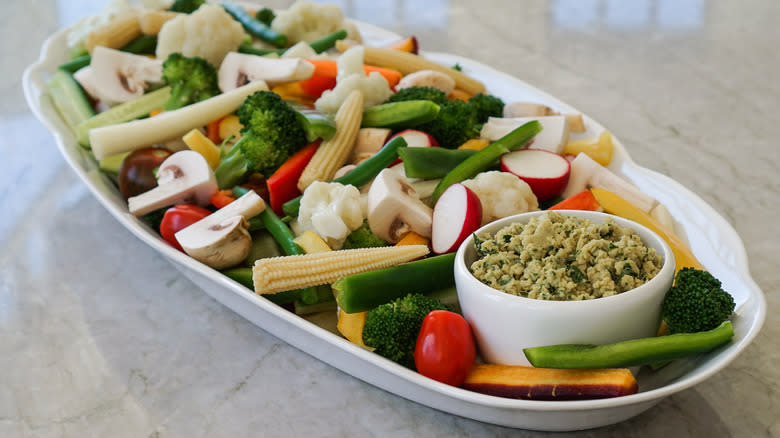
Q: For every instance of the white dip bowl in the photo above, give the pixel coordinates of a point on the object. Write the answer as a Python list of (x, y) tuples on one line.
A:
[(505, 324)]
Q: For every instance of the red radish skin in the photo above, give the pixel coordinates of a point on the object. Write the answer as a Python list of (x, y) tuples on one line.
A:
[(547, 173), (414, 139), (456, 215)]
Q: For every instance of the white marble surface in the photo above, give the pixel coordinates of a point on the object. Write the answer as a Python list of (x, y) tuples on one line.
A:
[(99, 336)]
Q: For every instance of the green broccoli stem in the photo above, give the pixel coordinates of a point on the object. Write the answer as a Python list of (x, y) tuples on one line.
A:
[(630, 353), (362, 174), (254, 26), (286, 240), (232, 168), (469, 168)]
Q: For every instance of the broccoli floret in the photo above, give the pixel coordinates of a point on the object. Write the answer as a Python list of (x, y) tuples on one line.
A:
[(696, 302), (486, 106), (456, 122), (186, 6), (265, 15), (191, 80), (419, 93), (392, 328), (362, 237), (272, 131)]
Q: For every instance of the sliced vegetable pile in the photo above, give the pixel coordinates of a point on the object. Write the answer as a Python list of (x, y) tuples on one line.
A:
[(376, 162)]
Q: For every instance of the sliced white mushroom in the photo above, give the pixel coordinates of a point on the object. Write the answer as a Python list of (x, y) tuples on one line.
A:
[(553, 138), (427, 78), (238, 69), (527, 109), (120, 76), (394, 209), (85, 77), (586, 173), (183, 177), (222, 239), (532, 109), (369, 141)]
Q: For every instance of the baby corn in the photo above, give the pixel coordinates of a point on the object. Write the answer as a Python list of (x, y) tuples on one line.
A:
[(114, 34), (333, 153), (277, 274)]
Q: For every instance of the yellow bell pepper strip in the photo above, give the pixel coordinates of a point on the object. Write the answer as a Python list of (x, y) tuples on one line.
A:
[(614, 204)]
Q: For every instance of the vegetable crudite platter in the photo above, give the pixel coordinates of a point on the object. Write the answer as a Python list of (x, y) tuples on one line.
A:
[(220, 203)]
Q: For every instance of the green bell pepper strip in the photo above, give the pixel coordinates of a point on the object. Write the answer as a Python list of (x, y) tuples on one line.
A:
[(517, 139), (629, 353)]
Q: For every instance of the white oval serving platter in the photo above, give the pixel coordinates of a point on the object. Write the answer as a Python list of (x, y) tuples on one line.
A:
[(711, 238)]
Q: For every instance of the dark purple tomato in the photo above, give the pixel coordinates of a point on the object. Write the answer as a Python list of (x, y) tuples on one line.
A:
[(137, 172)]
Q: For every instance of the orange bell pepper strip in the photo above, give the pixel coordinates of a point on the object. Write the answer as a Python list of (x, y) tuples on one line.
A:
[(329, 68), (221, 198), (583, 200), (283, 184)]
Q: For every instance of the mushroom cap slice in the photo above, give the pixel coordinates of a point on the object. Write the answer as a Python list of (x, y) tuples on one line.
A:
[(221, 239), (238, 69), (120, 76), (394, 208), (185, 176)]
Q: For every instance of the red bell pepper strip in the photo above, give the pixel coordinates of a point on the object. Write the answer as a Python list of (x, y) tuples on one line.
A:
[(283, 184)]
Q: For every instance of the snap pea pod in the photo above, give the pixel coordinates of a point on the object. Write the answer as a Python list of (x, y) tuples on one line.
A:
[(362, 174), (634, 352), (432, 163), (483, 159), (318, 46), (254, 26)]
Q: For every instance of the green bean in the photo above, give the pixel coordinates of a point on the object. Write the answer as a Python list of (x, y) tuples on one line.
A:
[(360, 175), (318, 46), (254, 26), (517, 139)]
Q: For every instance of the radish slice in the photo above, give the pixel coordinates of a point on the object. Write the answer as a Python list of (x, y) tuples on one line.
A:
[(456, 215), (545, 172), (414, 139)]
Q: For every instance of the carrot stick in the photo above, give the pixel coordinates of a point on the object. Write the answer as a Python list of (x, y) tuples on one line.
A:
[(212, 131), (329, 68), (583, 200)]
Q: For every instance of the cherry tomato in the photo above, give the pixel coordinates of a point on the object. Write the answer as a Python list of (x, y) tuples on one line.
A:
[(137, 172), (445, 349), (178, 217)]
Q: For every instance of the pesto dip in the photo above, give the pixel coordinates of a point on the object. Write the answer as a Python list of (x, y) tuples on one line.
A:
[(558, 257)]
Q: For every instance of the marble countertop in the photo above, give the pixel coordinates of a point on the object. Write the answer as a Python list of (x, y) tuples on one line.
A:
[(100, 337)]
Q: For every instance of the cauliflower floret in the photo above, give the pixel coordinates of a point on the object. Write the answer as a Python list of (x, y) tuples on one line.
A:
[(351, 76), (331, 210), (306, 21), (209, 33), (502, 194)]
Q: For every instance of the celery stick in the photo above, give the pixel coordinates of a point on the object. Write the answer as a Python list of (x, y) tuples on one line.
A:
[(124, 112)]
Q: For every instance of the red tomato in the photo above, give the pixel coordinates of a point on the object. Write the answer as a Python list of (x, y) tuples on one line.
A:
[(178, 217), (445, 349)]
